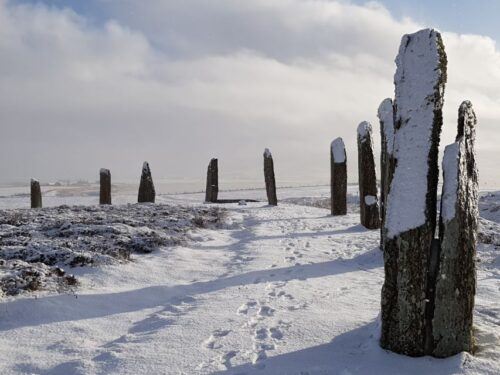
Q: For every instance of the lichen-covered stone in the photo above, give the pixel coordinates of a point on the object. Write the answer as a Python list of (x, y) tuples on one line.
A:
[(146, 188), (410, 219), (36, 194), (456, 274), (386, 117), (338, 177), (212, 189), (269, 178), (368, 201), (105, 186)]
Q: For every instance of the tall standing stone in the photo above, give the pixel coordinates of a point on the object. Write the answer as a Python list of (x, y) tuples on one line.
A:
[(269, 178), (105, 186), (146, 188), (338, 177), (212, 182), (368, 201), (36, 194), (456, 273), (410, 220), (386, 118)]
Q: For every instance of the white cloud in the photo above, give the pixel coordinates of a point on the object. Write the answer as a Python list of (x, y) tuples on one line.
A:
[(177, 82)]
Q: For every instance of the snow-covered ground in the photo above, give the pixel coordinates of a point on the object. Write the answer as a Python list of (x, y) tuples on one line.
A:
[(263, 290)]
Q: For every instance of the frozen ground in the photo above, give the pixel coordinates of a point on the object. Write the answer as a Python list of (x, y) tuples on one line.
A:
[(282, 290)]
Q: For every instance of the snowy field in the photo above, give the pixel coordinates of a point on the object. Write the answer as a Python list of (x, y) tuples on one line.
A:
[(188, 288)]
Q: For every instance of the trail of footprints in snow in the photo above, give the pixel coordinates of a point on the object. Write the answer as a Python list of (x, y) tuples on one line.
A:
[(265, 330), (295, 250)]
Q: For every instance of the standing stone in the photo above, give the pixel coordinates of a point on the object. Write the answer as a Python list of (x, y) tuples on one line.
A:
[(146, 187), (36, 194), (105, 185), (386, 118), (368, 201), (338, 177), (269, 178), (456, 274), (212, 182), (410, 220)]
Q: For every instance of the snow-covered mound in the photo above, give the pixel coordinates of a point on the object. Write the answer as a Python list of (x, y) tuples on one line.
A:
[(37, 244)]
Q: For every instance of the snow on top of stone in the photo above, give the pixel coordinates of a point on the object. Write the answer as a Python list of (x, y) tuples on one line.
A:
[(34, 180), (386, 117), (338, 150), (267, 153), (104, 171), (364, 129), (417, 76), (451, 161)]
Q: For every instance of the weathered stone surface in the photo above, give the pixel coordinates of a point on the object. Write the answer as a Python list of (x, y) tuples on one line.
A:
[(36, 194), (105, 186), (338, 177), (212, 182), (368, 201), (269, 178), (146, 188), (410, 219), (386, 118), (456, 274)]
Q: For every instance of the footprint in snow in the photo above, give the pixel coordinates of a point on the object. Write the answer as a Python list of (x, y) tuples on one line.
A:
[(261, 334), (281, 293), (266, 311), (225, 359), (221, 332), (297, 307), (258, 358), (276, 333), (211, 342), (243, 309)]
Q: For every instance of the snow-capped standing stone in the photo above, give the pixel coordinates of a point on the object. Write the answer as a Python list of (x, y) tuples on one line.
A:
[(410, 219), (386, 118), (212, 189), (368, 203), (269, 178), (456, 274), (146, 188), (36, 194), (105, 186), (338, 177)]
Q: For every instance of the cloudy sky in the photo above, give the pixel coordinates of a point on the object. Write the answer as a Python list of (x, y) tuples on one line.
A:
[(111, 83)]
